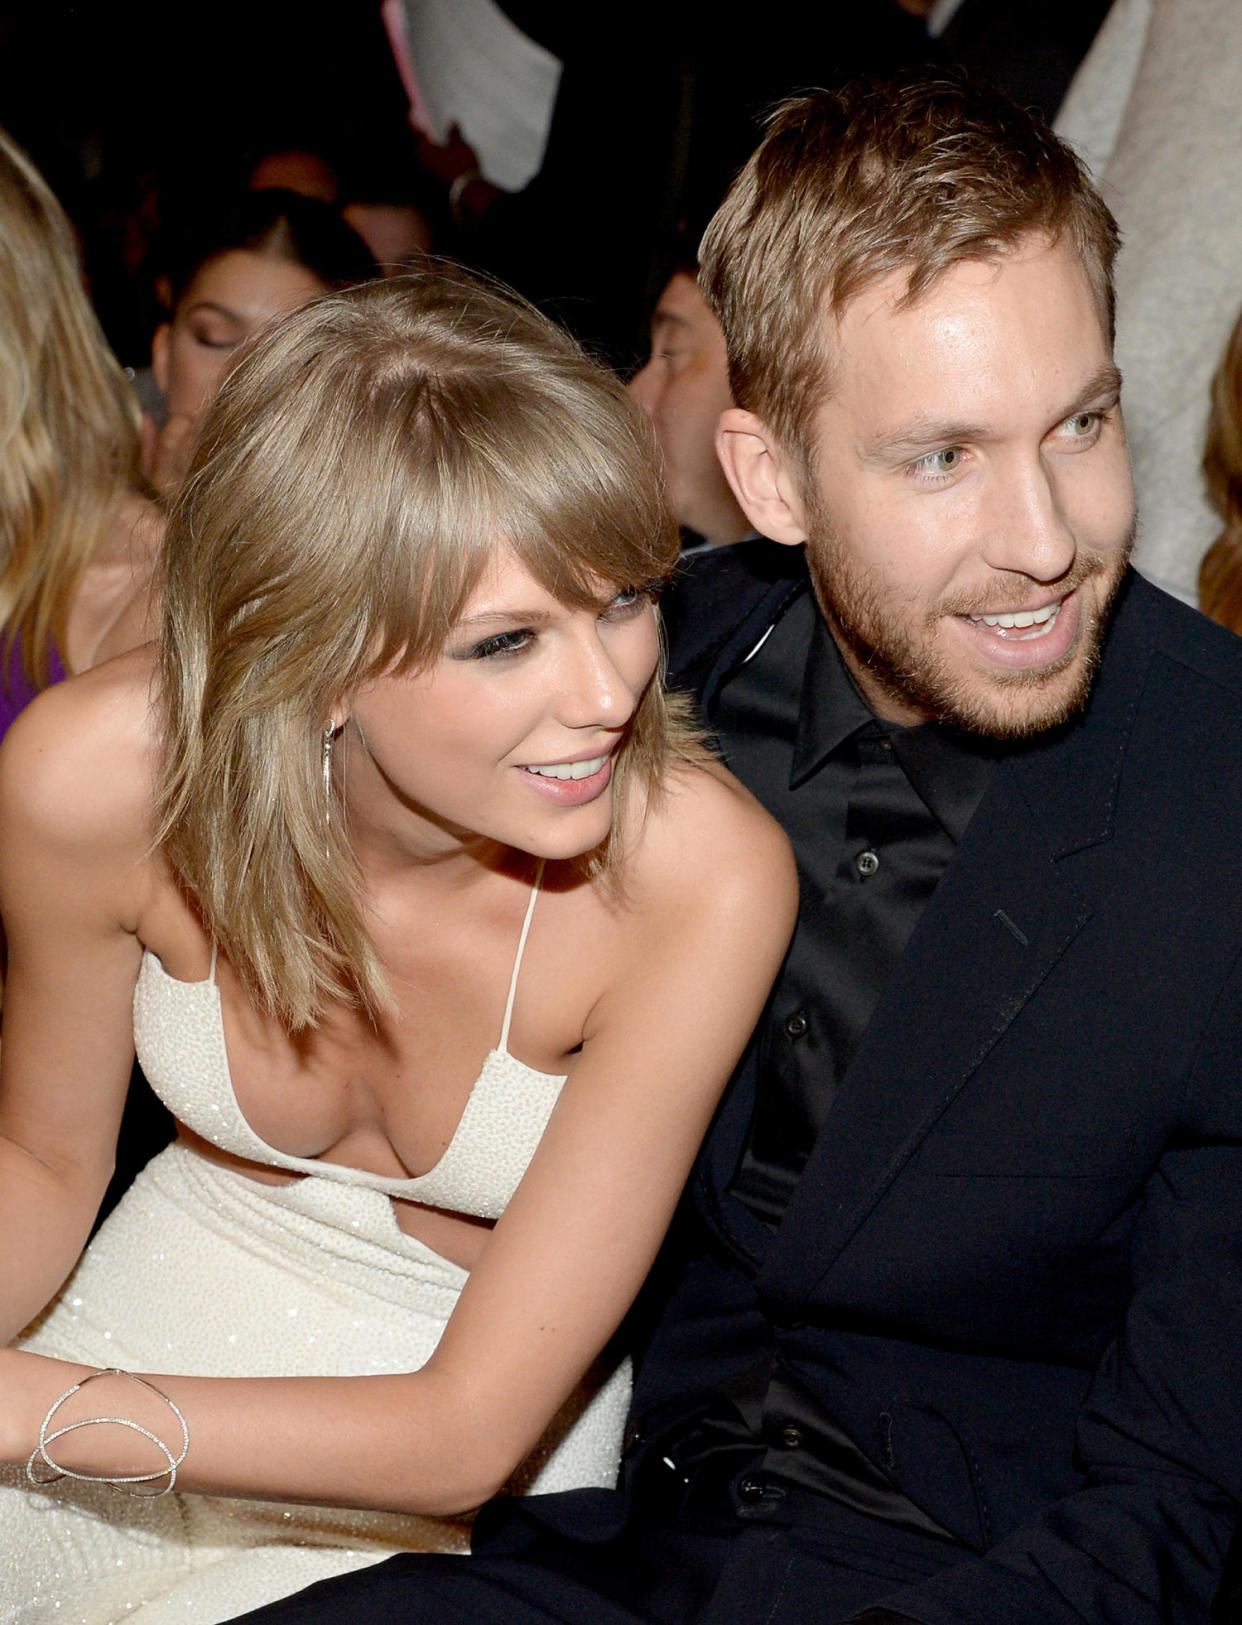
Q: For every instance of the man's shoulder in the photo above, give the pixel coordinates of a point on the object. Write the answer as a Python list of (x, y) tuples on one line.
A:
[(1151, 627), (720, 596), (1156, 751)]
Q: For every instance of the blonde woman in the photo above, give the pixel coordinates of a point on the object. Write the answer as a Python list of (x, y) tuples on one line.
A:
[(412, 876), (77, 536), (1220, 574)]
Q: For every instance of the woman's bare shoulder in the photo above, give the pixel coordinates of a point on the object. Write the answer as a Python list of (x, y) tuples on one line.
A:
[(707, 844), (77, 763)]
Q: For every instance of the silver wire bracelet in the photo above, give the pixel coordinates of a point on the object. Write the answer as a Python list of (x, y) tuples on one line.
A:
[(119, 1481)]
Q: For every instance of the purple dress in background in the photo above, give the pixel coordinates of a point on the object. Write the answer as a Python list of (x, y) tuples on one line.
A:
[(17, 691)]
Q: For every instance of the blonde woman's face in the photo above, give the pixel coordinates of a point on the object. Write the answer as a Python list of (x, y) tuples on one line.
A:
[(230, 298), (512, 732)]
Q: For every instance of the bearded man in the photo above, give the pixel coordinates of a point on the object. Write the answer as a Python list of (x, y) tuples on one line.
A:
[(952, 1327)]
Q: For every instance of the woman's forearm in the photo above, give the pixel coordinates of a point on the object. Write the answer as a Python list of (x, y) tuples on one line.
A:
[(406, 1443)]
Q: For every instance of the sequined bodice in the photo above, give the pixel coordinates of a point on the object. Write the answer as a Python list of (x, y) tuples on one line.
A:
[(179, 1036)]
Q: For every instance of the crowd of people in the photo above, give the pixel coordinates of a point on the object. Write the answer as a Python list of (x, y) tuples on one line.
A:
[(682, 920)]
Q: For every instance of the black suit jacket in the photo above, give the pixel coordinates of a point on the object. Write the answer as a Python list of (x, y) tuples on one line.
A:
[(1012, 1269)]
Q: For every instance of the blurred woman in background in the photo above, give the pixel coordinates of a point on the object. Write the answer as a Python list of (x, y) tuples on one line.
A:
[(78, 535), (1220, 574)]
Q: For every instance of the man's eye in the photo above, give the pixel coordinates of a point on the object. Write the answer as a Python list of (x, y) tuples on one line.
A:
[(1083, 424), (945, 461)]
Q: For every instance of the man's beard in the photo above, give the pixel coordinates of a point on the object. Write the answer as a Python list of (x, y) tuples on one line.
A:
[(919, 676)]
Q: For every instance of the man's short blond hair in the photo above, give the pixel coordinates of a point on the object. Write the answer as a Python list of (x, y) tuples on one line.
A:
[(917, 174)]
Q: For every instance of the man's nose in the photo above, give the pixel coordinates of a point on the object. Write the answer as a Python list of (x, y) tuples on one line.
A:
[(645, 386), (1029, 532)]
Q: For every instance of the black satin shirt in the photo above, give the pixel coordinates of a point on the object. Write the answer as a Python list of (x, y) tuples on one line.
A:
[(874, 811)]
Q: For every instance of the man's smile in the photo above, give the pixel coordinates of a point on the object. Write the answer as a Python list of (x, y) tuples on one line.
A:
[(1023, 623)]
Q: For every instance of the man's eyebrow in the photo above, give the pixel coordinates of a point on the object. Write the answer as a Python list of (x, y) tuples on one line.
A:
[(927, 432), (1104, 385), (919, 434)]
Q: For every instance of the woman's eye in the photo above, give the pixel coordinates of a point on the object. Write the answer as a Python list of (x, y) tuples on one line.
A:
[(630, 599), (215, 338), (503, 643)]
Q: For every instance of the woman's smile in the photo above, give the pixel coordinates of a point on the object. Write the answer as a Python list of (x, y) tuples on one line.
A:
[(526, 684)]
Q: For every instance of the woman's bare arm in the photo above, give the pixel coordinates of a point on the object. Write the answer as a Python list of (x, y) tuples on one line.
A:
[(72, 822), (712, 897)]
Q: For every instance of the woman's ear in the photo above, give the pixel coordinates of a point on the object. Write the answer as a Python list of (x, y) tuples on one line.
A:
[(759, 475)]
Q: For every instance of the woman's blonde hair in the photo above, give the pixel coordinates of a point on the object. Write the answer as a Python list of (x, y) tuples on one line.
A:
[(351, 480), (1220, 574), (69, 422)]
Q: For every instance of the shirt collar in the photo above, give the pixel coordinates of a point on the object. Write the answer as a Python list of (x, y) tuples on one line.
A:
[(948, 770)]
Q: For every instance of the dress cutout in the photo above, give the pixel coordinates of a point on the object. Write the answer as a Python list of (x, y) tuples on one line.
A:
[(179, 1031)]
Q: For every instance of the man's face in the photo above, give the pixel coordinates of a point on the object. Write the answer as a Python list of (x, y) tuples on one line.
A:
[(971, 510), (683, 388)]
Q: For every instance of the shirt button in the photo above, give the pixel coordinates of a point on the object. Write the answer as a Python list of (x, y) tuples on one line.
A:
[(791, 1438), (866, 863), (795, 1025)]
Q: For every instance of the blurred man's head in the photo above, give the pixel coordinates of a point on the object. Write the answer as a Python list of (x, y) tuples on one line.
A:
[(915, 285), (683, 388)]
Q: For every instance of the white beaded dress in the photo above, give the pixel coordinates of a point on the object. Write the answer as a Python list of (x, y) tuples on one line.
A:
[(201, 1270)]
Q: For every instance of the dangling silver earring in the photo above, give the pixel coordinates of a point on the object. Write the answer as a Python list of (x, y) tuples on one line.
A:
[(329, 734)]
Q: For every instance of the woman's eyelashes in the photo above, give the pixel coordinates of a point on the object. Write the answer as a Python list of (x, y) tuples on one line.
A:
[(214, 334), (630, 599), (499, 645)]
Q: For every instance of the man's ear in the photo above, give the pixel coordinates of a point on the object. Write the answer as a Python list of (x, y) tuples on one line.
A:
[(159, 355), (760, 477)]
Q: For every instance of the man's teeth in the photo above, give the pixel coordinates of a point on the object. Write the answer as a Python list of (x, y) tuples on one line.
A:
[(569, 770), (1022, 619)]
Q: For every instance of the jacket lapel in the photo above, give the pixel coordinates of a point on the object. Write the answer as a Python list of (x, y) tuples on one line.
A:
[(1004, 913)]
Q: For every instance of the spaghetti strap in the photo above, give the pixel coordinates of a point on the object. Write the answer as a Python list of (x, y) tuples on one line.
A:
[(215, 949), (517, 962)]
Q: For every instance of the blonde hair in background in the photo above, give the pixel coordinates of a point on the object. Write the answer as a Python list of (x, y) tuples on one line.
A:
[(1220, 574), (69, 422), (916, 174), (350, 482)]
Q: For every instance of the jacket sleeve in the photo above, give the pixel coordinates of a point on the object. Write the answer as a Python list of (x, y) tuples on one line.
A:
[(1159, 1439)]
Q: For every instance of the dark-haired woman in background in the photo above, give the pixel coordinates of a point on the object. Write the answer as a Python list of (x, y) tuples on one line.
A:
[(270, 254)]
